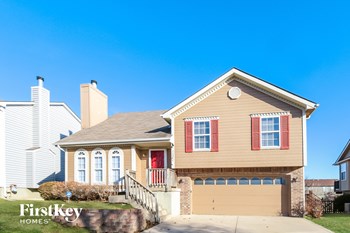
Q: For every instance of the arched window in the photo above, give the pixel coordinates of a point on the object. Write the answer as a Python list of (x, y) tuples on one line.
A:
[(209, 181), (115, 166), (279, 181), (231, 181), (198, 181), (243, 181), (267, 181), (81, 166), (98, 166), (220, 181), (255, 181)]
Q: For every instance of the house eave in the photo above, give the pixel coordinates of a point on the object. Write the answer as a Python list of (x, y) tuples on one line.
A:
[(108, 142), (308, 105)]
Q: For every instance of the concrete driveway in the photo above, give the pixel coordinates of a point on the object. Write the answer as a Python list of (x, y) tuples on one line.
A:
[(236, 224)]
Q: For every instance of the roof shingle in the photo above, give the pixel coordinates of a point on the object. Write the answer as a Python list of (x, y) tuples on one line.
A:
[(123, 126)]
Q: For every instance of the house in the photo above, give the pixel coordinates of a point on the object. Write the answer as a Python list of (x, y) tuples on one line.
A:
[(343, 162), (323, 188), (237, 146), (28, 130)]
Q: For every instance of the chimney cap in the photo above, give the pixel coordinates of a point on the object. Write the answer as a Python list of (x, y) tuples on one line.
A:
[(39, 78), (93, 82)]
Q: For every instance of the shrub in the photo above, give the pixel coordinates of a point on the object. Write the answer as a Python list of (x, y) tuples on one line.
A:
[(314, 206), (80, 192), (340, 201)]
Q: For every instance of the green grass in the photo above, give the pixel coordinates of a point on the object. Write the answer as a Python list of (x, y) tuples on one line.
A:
[(339, 223), (10, 219)]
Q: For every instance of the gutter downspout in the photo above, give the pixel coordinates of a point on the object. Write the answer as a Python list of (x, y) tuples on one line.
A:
[(172, 142)]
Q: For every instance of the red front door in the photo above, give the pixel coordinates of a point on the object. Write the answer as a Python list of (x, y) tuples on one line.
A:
[(157, 161)]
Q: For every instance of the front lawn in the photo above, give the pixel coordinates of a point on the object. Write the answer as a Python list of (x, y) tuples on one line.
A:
[(10, 219), (339, 223)]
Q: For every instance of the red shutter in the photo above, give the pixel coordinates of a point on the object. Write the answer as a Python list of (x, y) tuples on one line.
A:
[(214, 131), (188, 137), (255, 133), (284, 124)]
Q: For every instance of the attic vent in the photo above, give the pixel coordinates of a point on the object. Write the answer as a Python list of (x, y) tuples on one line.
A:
[(234, 93)]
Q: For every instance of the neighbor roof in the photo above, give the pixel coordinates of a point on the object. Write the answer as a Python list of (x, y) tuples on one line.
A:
[(308, 105), (123, 128), (319, 183), (344, 155)]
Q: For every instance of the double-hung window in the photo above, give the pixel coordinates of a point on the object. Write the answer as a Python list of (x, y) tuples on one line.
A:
[(115, 168), (98, 169), (81, 169), (270, 132), (201, 135), (343, 171)]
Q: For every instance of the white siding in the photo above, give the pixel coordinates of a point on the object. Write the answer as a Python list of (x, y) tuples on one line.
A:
[(2, 150), (41, 117), (18, 123), (62, 125), (44, 166)]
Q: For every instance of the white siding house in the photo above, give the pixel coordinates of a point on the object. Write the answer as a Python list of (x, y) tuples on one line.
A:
[(28, 130)]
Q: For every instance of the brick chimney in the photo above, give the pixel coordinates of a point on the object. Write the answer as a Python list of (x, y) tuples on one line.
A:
[(93, 105)]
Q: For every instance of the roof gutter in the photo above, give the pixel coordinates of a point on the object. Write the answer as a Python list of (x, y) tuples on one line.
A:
[(143, 140)]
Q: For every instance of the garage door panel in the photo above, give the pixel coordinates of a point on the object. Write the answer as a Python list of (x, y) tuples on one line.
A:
[(239, 199)]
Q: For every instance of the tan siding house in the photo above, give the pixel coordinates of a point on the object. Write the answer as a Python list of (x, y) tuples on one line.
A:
[(237, 146), (343, 162)]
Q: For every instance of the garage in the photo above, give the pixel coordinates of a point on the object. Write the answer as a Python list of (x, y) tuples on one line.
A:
[(240, 196)]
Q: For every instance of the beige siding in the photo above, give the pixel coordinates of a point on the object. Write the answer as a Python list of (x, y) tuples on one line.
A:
[(235, 131), (345, 184), (127, 159)]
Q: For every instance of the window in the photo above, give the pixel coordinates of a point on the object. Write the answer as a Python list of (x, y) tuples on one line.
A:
[(255, 181), (115, 166), (98, 166), (279, 180), (209, 181), (267, 181), (220, 181), (198, 181), (81, 166), (243, 181), (343, 171), (231, 181), (270, 132), (81, 169), (201, 135)]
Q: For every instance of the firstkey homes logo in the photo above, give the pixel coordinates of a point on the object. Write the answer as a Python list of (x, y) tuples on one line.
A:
[(35, 214)]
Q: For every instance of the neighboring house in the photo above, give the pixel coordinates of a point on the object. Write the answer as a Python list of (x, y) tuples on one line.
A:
[(28, 130), (238, 146), (320, 187), (343, 162)]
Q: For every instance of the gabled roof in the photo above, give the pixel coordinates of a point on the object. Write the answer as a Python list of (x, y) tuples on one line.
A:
[(123, 128), (344, 155), (308, 105)]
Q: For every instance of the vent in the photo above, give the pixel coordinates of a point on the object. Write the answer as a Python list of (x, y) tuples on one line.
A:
[(234, 93)]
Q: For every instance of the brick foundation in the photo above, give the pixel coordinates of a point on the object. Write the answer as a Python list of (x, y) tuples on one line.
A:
[(297, 199), (132, 220), (185, 184)]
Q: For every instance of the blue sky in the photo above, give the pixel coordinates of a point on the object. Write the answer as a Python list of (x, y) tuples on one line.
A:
[(149, 55)]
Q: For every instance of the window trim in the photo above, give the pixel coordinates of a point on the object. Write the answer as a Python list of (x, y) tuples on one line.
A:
[(93, 169), (345, 171), (78, 155), (279, 132), (193, 136), (121, 166)]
